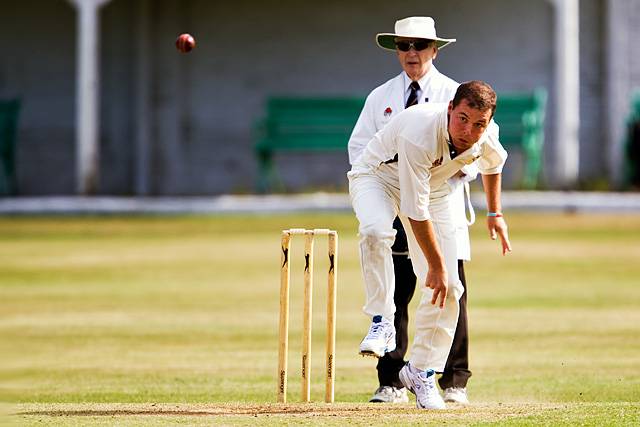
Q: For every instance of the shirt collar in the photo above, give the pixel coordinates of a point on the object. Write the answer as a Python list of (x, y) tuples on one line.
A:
[(423, 82)]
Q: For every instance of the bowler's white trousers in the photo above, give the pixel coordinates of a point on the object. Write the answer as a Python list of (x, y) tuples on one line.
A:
[(375, 197)]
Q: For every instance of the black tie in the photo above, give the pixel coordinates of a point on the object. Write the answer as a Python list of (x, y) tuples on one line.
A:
[(413, 96), (413, 100)]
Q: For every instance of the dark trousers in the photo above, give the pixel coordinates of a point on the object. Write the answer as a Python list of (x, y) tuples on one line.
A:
[(456, 371)]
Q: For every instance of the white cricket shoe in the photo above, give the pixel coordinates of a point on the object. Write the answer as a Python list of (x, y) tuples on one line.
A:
[(380, 339), (423, 385), (456, 395), (389, 394)]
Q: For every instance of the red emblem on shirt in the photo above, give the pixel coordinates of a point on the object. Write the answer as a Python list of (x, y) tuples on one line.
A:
[(388, 112)]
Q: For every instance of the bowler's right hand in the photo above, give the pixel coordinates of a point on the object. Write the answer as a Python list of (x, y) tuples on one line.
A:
[(498, 228), (437, 280)]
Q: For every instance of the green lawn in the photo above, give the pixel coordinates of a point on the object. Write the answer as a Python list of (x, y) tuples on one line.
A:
[(173, 320)]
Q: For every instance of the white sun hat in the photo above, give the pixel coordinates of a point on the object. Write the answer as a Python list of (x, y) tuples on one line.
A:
[(417, 27)]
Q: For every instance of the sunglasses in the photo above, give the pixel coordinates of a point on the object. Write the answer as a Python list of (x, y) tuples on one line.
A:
[(418, 45)]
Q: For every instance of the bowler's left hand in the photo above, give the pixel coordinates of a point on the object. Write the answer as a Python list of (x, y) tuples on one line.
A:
[(498, 227)]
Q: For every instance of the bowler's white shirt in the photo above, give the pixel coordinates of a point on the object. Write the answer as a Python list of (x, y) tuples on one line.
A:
[(389, 99), (419, 136)]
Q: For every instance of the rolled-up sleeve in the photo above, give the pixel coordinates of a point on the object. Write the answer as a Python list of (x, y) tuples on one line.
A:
[(413, 174), (492, 155)]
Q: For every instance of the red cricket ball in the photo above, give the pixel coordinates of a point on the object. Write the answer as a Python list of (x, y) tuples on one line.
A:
[(185, 43)]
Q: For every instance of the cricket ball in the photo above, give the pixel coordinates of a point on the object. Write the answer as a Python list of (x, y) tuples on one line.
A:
[(185, 43)]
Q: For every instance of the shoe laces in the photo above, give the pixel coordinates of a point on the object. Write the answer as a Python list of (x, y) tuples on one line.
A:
[(377, 327), (425, 378), (429, 385)]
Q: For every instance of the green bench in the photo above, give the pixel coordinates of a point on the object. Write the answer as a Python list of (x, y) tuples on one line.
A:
[(8, 122), (299, 124), (521, 120), (304, 124)]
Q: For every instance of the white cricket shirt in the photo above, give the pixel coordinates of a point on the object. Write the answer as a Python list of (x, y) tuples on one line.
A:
[(419, 136)]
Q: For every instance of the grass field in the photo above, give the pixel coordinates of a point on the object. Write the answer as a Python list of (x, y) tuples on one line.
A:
[(173, 320)]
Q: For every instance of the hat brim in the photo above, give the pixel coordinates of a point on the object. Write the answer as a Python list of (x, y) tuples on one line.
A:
[(387, 41)]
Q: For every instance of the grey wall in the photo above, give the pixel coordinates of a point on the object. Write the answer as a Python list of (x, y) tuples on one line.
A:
[(202, 106), (38, 66), (118, 98), (592, 91)]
